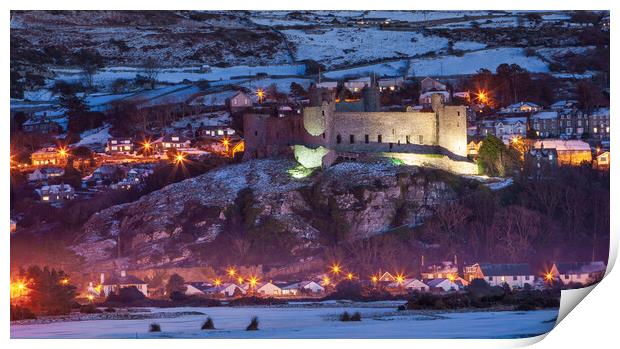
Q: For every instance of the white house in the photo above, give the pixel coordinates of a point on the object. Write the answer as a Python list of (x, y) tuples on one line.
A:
[(584, 273), (444, 270), (196, 288), (303, 286), (430, 84), (443, 284), (330, 85), (426, 97), (515, 275), (264, 288), (56, 193), (410, 285), (357, 85), (521, 107), (391, 84), (115, 283), (508, 128), (227, 289), (240, 101), (43, 174), (386, 277)]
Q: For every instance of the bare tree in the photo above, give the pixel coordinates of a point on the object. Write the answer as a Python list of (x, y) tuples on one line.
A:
[(150, 67)]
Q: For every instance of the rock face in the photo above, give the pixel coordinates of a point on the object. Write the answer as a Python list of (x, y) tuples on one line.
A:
[(345, 202)]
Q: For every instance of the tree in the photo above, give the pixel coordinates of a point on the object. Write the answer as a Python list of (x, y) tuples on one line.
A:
[(89, 61), (297, 90), (49, 293), (176, 283), (151, 70), (494, 159)]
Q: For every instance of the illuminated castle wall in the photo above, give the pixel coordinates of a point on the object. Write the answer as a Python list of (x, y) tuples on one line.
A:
[(437, 138)]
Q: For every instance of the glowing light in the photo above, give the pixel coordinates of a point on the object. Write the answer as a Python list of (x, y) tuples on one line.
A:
[(549, 276), (400, 278), (179, 158), (482, 97), (232, 272), (90, 297), (240, 280), (19, 288), (336, 268), (374, 279), (350, 276), (451, 277), (300, 171), (260, 93), (217, 282), (326, 281), (146, 145), (253, 281), (62, 152), (64, 281)]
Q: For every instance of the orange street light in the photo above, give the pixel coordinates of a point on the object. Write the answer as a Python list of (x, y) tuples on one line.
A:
[(62, 152), (374, 279), (232, 272), (335, 268), (64, 281), (350, 276), (253, 281), (451, 277), (240, 280), (90, 297), (325, 281), (482, 97), (400, 279), (217, 282), (549, 277), (261, 94), (179, 158)]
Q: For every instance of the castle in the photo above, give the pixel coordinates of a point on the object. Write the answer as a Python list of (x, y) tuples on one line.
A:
[(331, 130)]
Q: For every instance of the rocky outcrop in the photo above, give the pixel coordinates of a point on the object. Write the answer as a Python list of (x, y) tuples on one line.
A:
[(345, 202)]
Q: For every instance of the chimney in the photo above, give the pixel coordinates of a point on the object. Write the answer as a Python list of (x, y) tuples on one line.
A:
[(123, 273), (102, 278)]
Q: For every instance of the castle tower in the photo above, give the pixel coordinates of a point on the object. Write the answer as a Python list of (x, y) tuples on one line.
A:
[(451, 126)]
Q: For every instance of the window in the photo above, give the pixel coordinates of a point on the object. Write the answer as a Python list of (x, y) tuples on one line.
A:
[(366, 139), (351, 139), (514, 278), (527, 277), (595, 130), (379, 139), (323, 112), (407, 139), (566, 276), (421, 139), (338, 139), (458, 113), (490, 278)]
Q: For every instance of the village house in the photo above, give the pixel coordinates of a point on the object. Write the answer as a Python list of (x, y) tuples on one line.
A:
[(573, 123), (217, 132), (390, 84), (45, 122), (196, 288), (410, 285), (443, 284), (430, 84), (599, 123), (239, 102), (169, 142), (55, 193), (563, 105), (356, 85), (226, 290), (425, 98), (584, 273), (386, 278), (569, 152), (263, 288), (540, 161), (110, 173), (119, 146), (545, 123), (302, 287), (45, 173), (446, 269), (115, 283), (48, 156), (329, 85), (521, 108), (515, 275), (509, 128), (473, 147), (602, 160)]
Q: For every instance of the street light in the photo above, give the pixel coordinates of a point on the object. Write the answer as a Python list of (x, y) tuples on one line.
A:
[(232, 272), (261, 94), (350, 276), (335, 268)]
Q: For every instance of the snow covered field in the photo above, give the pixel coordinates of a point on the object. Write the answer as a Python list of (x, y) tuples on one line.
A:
[(350, 45), (307, 322)]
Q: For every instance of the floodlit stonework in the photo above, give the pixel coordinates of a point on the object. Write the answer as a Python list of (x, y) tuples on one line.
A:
[(437, 138)]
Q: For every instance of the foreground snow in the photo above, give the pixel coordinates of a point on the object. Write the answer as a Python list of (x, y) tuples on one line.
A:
[(307, 322)]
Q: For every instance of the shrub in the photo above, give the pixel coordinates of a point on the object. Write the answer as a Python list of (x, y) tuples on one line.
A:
[(208, 324), (89, 309), (356, 316), (256, 301), (253, 326), (126, 295), (109, 310), (154, 327), (21, 313), (345, 316)]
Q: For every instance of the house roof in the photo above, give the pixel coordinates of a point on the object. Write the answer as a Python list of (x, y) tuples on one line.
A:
[(437, 282), (124, 280), (563, 145), (520, 104), (580, 267), (512, 120), (546, 115), (489, 269), (168, 138)]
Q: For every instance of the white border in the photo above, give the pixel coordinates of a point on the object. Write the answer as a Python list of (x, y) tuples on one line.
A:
[(591, 325)]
